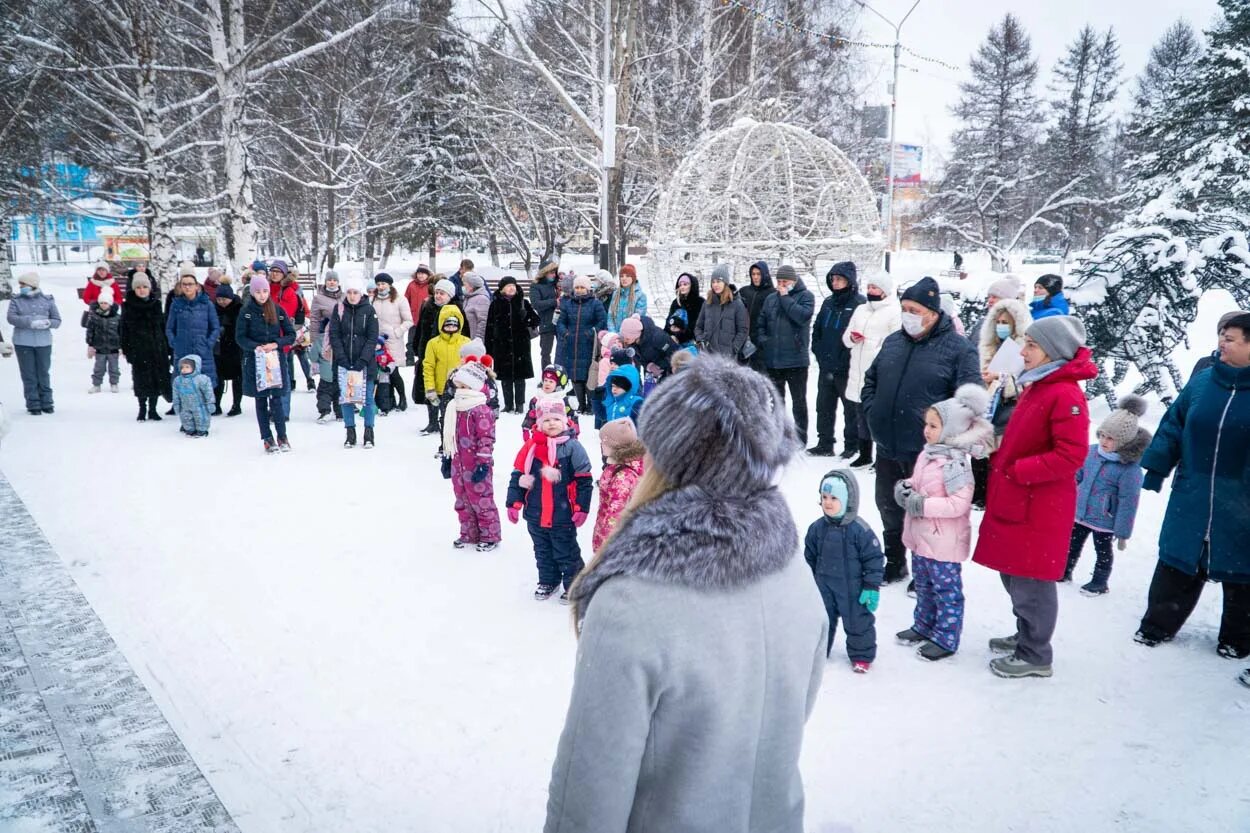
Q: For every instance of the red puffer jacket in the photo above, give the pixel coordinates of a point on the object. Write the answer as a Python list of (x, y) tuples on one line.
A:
[(1032, 489)]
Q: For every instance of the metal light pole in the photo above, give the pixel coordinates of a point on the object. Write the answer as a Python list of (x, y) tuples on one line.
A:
[(609, 141), (887, 204)]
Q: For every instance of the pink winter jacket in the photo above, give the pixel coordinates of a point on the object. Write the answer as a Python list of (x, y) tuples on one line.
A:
[(608, 341), (615, 487), (944, 533)]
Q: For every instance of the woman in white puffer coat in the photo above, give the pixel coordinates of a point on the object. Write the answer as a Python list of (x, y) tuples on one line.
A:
[(394, 321), (870, 324)]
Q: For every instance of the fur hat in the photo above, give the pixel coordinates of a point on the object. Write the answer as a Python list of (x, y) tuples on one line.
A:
[(100, 264), (1121, 424), (629, 269), (556, 373), (679, 360), (631, 328), (421, 269), (186, 269), (383, 277), (470, 375), (882, 281), (925, 292), (548, 266), (719, 426), (962, 411), (1006, 287), (473, 281), (619, 440), (30, 279), (786, 273), (259, 283), (445, 286), (1053, 284), (581, 282), (720, 272), (1059, 335), (551, 409), (141, 279)]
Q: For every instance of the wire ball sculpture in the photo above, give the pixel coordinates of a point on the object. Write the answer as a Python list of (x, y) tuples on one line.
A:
[(762, 191)]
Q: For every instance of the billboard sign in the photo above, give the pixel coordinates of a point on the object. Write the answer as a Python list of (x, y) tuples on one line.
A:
[(907, 164)]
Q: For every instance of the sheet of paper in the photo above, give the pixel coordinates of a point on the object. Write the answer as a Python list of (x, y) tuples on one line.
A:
[(1007, 360)]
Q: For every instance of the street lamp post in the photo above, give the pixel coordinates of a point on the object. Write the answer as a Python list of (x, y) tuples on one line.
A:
[(609, 142)]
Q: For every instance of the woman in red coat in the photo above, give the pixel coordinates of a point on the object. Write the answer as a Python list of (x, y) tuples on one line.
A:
[(101, 280), (1032, 490)]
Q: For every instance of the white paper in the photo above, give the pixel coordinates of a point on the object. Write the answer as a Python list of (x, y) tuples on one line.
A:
[(1007, 360)]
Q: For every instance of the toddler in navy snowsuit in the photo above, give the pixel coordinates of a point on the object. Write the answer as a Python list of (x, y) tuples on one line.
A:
[(193, 397), (847, 561), (1108, 489)]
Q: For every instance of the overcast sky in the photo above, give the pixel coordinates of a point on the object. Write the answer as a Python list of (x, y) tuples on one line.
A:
[(951, 31)]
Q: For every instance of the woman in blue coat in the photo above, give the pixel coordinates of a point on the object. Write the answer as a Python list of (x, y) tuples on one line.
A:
[(1048, 298), (192, 327), (264, 326), (1205, 437), (582, 317)]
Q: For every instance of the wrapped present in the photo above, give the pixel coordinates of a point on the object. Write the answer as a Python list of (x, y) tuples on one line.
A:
[(268, 370), (351, 387)]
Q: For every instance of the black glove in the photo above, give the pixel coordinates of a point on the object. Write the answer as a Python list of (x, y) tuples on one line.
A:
[(479, 473), (447, 468)]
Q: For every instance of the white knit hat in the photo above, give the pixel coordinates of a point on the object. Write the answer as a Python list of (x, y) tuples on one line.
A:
[(471, 375), (352, 282), (186, 269), (445, 286)]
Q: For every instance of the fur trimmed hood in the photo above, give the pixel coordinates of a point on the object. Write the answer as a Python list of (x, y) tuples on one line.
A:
[(690, 537), (1131, 452), (1019, 313), (632, 451)]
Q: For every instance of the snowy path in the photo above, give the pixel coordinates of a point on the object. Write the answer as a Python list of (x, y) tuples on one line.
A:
[(332, 664)]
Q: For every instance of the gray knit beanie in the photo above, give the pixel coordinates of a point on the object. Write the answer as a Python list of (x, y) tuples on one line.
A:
[(1059, 335), (720, 272), (787, 273), (719, 426), (1121, 424)]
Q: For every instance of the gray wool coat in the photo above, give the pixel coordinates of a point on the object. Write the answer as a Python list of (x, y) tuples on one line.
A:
[(701, 652)]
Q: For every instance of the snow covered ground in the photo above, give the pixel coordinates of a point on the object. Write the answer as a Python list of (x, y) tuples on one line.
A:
[(333, 664)]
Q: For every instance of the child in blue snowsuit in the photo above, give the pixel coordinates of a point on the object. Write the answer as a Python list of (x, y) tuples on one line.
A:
[(623, 399), (847, 561), (1108, 488), (193, 397)]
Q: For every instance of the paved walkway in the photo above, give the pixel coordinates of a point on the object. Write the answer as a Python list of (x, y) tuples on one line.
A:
[(83, 747)]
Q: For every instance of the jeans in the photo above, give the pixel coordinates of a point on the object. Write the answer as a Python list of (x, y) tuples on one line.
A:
[(1036, 605), (109, 362), (830, 388), (269, 406), (513, 394), (305, 366), (369, 410), (890, 472), (1102, 551), (796, 379), (1174, 595), (546, 343), (35, 365)]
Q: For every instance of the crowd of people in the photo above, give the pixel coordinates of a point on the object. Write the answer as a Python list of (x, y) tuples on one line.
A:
[(693, 432)]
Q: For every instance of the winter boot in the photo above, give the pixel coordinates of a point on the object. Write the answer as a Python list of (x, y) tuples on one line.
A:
[(271, 447), (1095, 588), (911, 589), (143, 410), (325, 419), (93, 389), (488, 546), (543, 592), (933, 652), (564, 596), (154, 415), (368, 437), (1015, 668), (1004, 644), (460, 543), (864, 460), (821, 449), (911, 638), (860, 666), (284, 445), (1232, 651), (217, 409), (113, 389), (895, 572), (350, 442), (1150, 638)]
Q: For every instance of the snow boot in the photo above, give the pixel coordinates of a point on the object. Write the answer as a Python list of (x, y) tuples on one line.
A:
[(143, 411), (93, 389), (821, 449), (217, 410), (564, 596), (1095, 589), (460, 543), (848, 453), (911, 638), (49, 410), (543, 592), (113, 388), (488, 546), (429, 429), (895, 572), (860, 666), (283, 445), (325, 419), (1231, 651), (864, 460), (350, 442), (911, 589), (1004, 644), (368, 438), (1149, 638), (1244, 678), (1014, 668), (933, 652)]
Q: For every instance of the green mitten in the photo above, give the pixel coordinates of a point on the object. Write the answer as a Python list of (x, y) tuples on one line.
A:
[(870, 599)]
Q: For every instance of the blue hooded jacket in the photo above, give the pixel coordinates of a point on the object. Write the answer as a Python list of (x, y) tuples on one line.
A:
[(628, 405), (1049, 306)]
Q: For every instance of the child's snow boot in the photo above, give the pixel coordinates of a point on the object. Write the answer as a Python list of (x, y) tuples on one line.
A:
[(933, 652), (350, 442), (368, 438), (93, 389), (911, 638), (543, 592), (860, 666), (488, 546)]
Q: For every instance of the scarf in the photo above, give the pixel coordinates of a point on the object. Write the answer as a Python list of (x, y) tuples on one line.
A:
[(1040, 372), (465, 400), (957, 470), (1109, 456), (546, 450), (102, 284)]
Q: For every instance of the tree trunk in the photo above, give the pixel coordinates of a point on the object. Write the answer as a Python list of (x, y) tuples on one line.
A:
[(386, 253), (330, 220), (6, 265), (494, 249), (369, 246), (228, 46), (433, 252)]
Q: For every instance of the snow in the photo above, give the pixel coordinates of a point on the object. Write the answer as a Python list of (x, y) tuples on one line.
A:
[(333, 664)]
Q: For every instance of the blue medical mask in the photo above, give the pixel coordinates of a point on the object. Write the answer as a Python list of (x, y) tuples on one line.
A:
[(1003, 331), (26, 292)]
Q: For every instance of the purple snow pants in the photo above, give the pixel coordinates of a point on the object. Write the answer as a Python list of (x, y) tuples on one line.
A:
[(939, 615), (475, 502)]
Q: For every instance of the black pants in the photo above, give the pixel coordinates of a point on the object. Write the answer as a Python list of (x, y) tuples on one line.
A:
[(796, 379), (546, 343), (980, 480), (328, 395), (556, 553), (236, 391), (865, 434), (397, 386), (890, 472), (1174, 595), (513, 394), (830, 389), (583, 398), (1102, 552)]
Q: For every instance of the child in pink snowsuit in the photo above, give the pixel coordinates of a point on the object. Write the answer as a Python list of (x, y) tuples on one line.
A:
[(623, 452), (468, 446)]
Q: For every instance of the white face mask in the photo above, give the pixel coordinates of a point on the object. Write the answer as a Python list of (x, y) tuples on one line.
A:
[(913, 324)]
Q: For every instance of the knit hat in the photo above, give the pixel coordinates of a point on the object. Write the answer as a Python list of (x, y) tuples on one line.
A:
[(421, 268), (223, 291), (445, 286), (330, 275), (30, 279), (679, 318), (370, 284), (787, 273), (472, 347), (960, 412), (101, 264), (556, 373), (141, 279), (834, 485), (683, 278), (471, 375), (383, 277), (604, 277), (105, 298), (1060, 336), (616, 435), (259, 266), (882, 281), (280, 265), (622, 356), (473, 280), (213, 274), (186, 269), (581, 282), (551, 409), (1053, 284), (1006, 287), (718, 426), (720, 272), (631, 329), (628, 269), (259, 283), (925, 292), (352, 283), (1121, 424)]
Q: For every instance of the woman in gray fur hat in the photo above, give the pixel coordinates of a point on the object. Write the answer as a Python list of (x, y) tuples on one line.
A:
[(699, 593)]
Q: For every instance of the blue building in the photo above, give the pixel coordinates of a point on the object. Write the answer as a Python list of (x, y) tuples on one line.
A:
[(69, 232)]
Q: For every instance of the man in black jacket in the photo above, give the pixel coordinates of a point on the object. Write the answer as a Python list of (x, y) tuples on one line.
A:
[(834, 360), (785, 336), (543, 298), (917, 367)]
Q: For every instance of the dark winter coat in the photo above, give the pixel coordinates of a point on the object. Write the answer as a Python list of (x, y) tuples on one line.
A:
[(753, 296), (835, 314), (193, 328), (845, 557), (427, 325), (252, 331), (1032, 490), (581, 318), (692, 303), (784, 331), (1205, 437), (907, 377), (229, 358), (354, 335), (569, 495), (508, 334), (543, 300), (143, 341), (104, 329), (654, 346), (1107, 491), (723, 328)]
